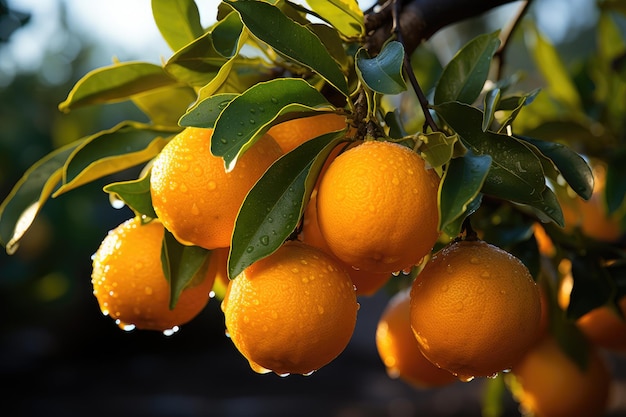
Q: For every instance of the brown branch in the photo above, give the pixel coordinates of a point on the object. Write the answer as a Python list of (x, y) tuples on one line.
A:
[(500, 54), (420, 19)]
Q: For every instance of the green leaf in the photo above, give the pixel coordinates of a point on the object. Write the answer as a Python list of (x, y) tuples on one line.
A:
[(464, 76), (549, 207), (21, 206), (515, 104), (165, 105), (344, 15), (491, 102), (248, 116), (383, 73), (291, 39), (548, 61), (182, 265), (572, 166), (135, 194), (126, 145), (204, 114), (115, 83), (437, 148), (273, 207), (210, 56), (460, 186), (516, 174), (178, 21)]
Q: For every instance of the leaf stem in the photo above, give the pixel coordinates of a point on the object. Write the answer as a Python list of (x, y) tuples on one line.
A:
[(421, 97), (506, 36)]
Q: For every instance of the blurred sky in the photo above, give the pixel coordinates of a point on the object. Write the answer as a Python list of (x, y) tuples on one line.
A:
[(125, 29)]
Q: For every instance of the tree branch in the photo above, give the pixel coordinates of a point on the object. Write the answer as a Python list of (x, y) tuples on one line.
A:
[(420, 19)]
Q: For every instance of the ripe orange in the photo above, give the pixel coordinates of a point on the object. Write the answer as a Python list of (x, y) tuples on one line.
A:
[(365, 282), (129, 283), (377, 207), (194, 196), (475, 309), (549, 384), (603, 326), (399, 350), (292, 133), (291, 312)]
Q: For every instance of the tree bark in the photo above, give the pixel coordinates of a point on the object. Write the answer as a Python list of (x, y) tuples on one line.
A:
[(420, 19)]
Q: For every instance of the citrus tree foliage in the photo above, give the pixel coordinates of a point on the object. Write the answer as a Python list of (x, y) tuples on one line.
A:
[(502, 153)]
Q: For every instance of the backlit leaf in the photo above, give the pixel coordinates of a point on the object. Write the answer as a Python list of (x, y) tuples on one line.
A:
[(21, 206), (248, 116), (205, 112), (383, 73), (115, 83), (464, 76), (126, 145), (178, 21), (272, 209), (437, 148), (165, 105), (291, 39), (344, 15)]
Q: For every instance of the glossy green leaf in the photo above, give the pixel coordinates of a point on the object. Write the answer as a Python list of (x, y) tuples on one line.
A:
[(209, 57), (437, 148), (135, 194), (273, 207), (248, 116), (383, 73), (515, 105), (291, 39), (205, 113), (165, 105), (491, 102), (548, 61), (115, 83), (572, 166), (516, 173), (126, 145), (461, 184), (183, 265), (464, 76), (19, 209), (344, 15), (178, 21), (548, 207)]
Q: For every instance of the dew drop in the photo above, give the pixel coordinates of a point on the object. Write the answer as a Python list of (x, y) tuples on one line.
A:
[(253, 111), (116, 202), (265, 240), (223, 141), (148, 290), (197, 171), (212, 185), (211, 294), (320, 309), (124, 326), (194, 209), (249, 249), (183, 188), (493, 376), (285, 375), (274, 100), (485, 274), (270, 220), (465, 378), (239, 133), (474, 261), (170, 332), (252, 121), (445, 288), (309, 373)]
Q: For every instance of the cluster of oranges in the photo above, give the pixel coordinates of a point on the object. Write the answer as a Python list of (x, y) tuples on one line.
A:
[(473, 310)]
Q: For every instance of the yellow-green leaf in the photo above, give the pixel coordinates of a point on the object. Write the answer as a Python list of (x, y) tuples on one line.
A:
[(343, 15), (178, 21)]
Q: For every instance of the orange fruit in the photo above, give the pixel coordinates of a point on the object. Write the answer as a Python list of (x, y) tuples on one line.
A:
[(365, 282), (377, 207), (291, 312), (475, 309), (549, 384), (592, 216), (292, 133), (399, 350), (194, 196), (129, 283), (603, 326)]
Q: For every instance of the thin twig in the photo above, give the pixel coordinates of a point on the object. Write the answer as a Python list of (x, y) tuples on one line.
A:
[(421, 97), (500, 53)]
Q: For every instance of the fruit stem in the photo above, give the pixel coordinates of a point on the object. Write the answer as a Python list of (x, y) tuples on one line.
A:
[(470, 233)]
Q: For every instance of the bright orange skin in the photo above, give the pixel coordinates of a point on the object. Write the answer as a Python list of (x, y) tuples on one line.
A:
[(550, 384), (399, 350), (475, 309), (292, 133), (605, 328), (377, 207), (292, 312), (194, 196), (129, 283), (366, 282)]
